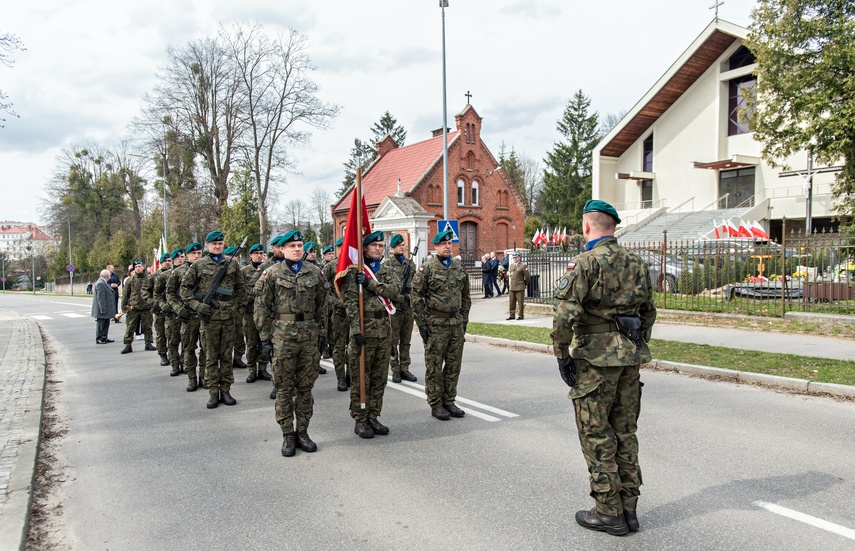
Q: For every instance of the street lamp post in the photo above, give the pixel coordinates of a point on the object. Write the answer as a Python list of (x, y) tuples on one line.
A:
[(70, 263), (163, 157), (3, 260), (444, 4), (32, 252)]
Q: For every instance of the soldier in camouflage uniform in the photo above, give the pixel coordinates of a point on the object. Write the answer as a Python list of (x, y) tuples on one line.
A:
[(375, 342), (288, 313), (173, 322), (605, 300), (217, 321), (240, 343), (338, 326), (254, 355), (158, 300), (310, 250), (277, 257), (136, 301), (402, 320), (327, 255), (190, 324), (441, 303)]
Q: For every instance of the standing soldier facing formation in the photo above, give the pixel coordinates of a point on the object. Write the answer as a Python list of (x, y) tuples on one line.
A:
[(190, 324), (375, 342), (441, 304), (338, 326), (136, 301), (605, 300), (173, 322), (158, 301), (288, 312), (402, 319), (519, 278), (218, 317), (256, 361)]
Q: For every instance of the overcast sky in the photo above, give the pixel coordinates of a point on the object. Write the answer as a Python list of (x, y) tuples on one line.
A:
[(89, 62)]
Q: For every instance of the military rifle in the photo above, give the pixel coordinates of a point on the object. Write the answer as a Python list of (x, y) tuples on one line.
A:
[(210, 298), (409, 265)]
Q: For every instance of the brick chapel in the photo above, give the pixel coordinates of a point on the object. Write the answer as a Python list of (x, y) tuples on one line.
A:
[(403, 193)]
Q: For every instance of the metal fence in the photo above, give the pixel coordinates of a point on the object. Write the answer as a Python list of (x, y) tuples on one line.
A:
[(813, 273)]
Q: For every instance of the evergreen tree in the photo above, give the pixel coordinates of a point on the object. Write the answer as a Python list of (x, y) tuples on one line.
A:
[(567, 176), (366, 153)]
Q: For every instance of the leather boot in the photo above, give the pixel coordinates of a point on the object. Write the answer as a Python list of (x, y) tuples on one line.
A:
[(454, 411), (593, 520), (237, 363), (322, 370), (378, 427), (363, 429), (150, 347), (631, 519), (127, 349), (396, 377), (227, 398), (213, 400), (164, 360), (342, 384), (407, 376), (251, 377), (326, 355), (273, 394), (440, 413), (192, 385), (289, 447), (305, 443), (176, 371), (264, 374)]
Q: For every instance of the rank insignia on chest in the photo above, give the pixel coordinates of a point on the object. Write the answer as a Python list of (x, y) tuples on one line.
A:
[(571, 265), (562, 284)]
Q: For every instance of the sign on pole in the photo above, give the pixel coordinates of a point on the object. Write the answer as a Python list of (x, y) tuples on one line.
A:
[(443, 225), (70, 268)]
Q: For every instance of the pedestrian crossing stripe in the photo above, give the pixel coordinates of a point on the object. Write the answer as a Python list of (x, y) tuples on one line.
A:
[(41, 317)]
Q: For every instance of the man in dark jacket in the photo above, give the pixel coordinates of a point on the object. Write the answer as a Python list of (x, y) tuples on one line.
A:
[(103, 307), (114, 283)]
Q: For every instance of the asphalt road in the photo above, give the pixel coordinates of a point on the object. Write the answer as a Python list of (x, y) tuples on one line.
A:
[(149, 467)]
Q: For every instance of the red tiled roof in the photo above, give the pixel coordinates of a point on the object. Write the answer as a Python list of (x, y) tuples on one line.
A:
[(408, 163)]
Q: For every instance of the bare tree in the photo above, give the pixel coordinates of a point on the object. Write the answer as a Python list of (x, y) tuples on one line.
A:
[(279, 102), (610, 120), (532, 174), (8, 44), (295, 213), (321, 201)]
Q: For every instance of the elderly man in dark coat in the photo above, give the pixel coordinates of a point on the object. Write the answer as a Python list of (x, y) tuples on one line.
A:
[(103, 307)]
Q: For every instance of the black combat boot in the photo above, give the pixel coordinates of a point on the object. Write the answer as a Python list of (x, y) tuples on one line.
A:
[(213, 400), (342, 384), (440, 413), (237, 363), (127, 349), (305, 443), (378, 427), (176, 371), (407, 376), (150, 347), (363, 429), (227, 399), (631, 520), (252, 375), (192, 385), (593, 520), (454, 411), (264, 374), (164, 360), (396, 377), (322, 370), (273, 394), (289, 447)]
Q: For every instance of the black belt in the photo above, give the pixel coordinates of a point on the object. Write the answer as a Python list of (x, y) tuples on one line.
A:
[(380, 314), (441, 314), (224, 298), (295, 317), (607, 327)]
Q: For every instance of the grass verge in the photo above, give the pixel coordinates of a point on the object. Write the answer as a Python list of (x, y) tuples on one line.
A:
[(784, 365)]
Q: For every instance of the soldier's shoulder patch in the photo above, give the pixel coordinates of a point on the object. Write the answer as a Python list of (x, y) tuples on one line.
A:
[(562, 284), (571, 265)]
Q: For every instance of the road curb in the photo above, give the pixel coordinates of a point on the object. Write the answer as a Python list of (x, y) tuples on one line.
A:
[(14, 520), (774, 381)]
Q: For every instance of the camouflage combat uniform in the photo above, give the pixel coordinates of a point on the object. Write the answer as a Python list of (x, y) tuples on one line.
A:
[(217, 333), (377, 333), (441, 302), (136, 295), (189, 326), (161, 319), (288, 311), (254, 355), (602, 283), (338, 326), (402, 320)]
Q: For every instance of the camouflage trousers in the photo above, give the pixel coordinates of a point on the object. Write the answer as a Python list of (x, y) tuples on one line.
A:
[(607, 401), (190, 335), (295, 366), (402, 335), (340, 334), (445, 346), (254, 355), (143, 319), (160, 336), (218, 340), (239, 343), (173, 339), (377, 351)]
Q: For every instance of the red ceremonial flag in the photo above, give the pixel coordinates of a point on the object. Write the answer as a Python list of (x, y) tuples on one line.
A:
[(732, 230), (758, 231), (351, 248)]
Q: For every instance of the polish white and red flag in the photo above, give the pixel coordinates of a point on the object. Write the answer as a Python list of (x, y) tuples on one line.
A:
[(715, 226), (732, 230), (758, 231), (744, 229), (564, 235), (556, 236), (351, 248), (536, 239)]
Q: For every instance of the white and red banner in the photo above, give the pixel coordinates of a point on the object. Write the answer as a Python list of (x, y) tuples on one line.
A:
[(750, 229)]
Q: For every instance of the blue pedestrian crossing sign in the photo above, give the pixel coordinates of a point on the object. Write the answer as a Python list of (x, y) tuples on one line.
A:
[(444, 225)]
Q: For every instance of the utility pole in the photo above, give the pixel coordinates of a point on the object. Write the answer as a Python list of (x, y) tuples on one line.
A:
[(444, 4), (809, 194), (70, 263)]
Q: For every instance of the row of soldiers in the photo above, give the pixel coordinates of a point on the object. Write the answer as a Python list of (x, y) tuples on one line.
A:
[(290, 309)]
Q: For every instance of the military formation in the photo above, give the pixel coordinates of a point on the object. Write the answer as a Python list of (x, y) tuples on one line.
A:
[(295, 307)]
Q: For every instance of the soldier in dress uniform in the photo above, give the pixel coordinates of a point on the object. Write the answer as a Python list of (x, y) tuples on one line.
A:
[(441, 303), (173, 322), (402, 320), (217, 318), (519, 278), (136, 301), (288, 312), (376, 339), (338, 326), (605, 300), (158, 300), (256, 360)]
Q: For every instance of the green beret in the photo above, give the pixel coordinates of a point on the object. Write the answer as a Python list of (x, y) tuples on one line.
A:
[(309, 246), (215, 235), (339, 241), (446, 235), (230, 250), (396, 240), (258, 247), (372, 237), (165, 256), (293, 235), (177, 252), (135, 262), (595, 205), (194, 246), (328, 249)]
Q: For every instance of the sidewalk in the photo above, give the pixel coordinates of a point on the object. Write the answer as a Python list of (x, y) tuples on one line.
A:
[(495, 310), (22, 377)]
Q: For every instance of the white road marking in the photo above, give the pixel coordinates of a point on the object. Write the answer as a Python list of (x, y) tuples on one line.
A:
[(41, 317), (66, 303), (807, 519), (73, 315)]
